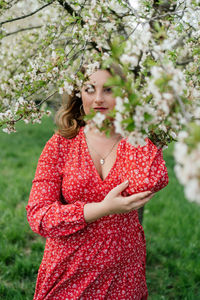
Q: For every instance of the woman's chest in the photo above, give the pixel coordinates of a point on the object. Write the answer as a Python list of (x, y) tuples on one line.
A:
[(83, 176), (103, 161)]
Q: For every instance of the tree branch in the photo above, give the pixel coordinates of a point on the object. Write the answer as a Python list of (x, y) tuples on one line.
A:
[(186, 115), (22, 29), (185, 62), (39, 104), (68, 7), (72, 12), (7, 6), (28, 15)]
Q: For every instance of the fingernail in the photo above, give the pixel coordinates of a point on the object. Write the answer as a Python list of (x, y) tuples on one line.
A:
[(126, 182)]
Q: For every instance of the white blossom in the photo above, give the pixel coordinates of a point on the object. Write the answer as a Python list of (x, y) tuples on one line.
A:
[(68, 88), (173, 134), (119, 104), (99, 118), (136, 139), (163, 127), (118, 125), (132, 60), (192, 190), (6, 130), (159, 80), (180, 152)]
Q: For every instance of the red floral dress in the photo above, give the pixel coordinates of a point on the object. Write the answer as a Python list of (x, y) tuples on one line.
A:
[(104, 259)]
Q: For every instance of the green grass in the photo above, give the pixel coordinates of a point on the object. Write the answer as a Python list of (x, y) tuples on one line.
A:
[(172, 230), (20, 249), (171, 225)]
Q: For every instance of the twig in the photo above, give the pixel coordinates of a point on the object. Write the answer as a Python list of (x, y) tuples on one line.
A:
[(31, 55), (8, 6), (182, 107), (20, 30), (176, 96), (21, 116), (82, 56), (28, 15), (183, 63), (132, 31), (72, 12), (46, 99)]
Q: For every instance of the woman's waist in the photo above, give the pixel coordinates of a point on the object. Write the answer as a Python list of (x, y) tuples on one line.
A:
[(94, 249), (116, 223), (123, 227)]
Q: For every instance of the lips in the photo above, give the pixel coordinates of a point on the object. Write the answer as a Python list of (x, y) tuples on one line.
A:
[(100, 108)]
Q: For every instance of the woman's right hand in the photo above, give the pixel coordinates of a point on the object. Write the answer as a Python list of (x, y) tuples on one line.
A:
[(115, 203)]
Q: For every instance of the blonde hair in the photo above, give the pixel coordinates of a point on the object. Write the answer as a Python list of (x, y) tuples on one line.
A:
[(69, 117)]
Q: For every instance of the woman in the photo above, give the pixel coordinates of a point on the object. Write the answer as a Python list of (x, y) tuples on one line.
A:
[(95, 245)]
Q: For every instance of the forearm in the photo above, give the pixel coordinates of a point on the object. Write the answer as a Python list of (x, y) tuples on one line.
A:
[(55, 219), (94, 211)]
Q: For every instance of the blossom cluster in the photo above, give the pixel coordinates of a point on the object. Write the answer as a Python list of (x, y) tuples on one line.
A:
[(187, 166), (151, 50)]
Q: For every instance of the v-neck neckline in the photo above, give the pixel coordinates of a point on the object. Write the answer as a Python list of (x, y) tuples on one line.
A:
[(92, 162)]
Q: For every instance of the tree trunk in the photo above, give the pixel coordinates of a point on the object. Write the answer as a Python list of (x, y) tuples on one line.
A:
[(140, 214)]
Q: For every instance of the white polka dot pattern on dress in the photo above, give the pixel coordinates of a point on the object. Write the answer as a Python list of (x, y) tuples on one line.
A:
[(102, 260)]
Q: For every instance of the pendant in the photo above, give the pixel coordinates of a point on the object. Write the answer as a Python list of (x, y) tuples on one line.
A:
[(102, 161)]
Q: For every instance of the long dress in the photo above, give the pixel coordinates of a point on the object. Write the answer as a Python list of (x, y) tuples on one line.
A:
[(104, 259)]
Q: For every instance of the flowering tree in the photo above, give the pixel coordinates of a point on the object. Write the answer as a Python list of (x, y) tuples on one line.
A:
[(151, 49)]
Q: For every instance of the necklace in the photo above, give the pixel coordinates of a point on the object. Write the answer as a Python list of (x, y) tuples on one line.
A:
[(102, 159)]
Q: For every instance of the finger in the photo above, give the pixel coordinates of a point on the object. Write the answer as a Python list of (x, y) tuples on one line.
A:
[(119, 188), (140, 203), (145, 200), (139, 196)]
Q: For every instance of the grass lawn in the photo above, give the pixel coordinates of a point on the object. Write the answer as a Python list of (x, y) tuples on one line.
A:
[(171, 225)]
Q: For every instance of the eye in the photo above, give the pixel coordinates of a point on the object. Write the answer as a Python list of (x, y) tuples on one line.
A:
[(108, 90), (89, 89)]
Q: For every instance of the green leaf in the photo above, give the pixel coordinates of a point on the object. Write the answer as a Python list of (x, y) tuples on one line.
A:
[(162, 82), (117, 47), (127, 121), (130, 127), (130, 124), (132, 98), (114, 81), (147, 117), (117, 91)]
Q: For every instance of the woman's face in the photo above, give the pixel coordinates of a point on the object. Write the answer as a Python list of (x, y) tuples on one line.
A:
[(97, 96)]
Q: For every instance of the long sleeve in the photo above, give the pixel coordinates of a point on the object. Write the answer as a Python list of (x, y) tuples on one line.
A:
[(146, 168), (157, 175), (46, 214)]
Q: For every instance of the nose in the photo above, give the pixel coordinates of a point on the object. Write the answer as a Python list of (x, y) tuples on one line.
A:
[(99, 97)]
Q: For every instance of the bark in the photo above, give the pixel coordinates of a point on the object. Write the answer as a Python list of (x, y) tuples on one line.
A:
[(140, 214)]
